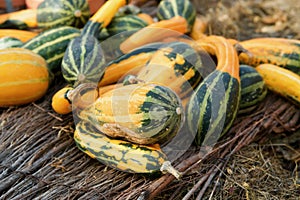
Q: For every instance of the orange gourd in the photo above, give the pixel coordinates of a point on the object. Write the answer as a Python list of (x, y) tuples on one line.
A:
[(24, 77)]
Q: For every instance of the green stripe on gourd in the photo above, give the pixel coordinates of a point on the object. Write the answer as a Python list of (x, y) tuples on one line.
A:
[(212, 107), (52, 13), (83, 61), (175, 65), (8, 42), (119, 154), (51, 44), (253, 88), (125, 23), (140, 113), (171, 8)]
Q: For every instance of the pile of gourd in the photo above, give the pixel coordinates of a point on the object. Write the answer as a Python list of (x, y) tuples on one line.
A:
[(134, 81)]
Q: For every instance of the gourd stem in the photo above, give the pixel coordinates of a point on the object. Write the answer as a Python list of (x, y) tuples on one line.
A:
[(168, 168)]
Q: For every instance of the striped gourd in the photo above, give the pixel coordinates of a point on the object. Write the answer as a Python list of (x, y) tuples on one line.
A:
[(171, 8), (281, 81), (21, 19), (125, 23), (52, 44), (121, 155), (22, 35), (175, 65), (24, 76), (214, 104), (80, 63), (53, 13), (140, 113), (8, 42), (278, 51), (102, 17), (83, 61), (253, 88)]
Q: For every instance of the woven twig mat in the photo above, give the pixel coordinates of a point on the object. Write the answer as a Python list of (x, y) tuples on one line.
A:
[(39, 159)]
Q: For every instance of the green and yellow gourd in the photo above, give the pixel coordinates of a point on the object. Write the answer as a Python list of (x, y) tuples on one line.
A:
[(281, 81), (253, 89), (140, 113), (52, 44), (175, 65), (120, 154), (81, 62), (8, 42), (215, 102), (22, 35), (21, 19), (24, 77), (52, 13), (171, 8), (277, 51)]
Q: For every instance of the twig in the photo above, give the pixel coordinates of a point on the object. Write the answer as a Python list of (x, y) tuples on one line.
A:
[(49, 113)]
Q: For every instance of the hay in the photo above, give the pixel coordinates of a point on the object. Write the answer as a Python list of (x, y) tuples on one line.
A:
[(39, 159)]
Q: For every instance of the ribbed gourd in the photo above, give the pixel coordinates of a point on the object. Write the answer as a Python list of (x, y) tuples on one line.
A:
[(213, 106), (53, 13), (52, 44), (142, 113), (171, 8), (83, 61), (24, 77), (80, 64), (253, 89)]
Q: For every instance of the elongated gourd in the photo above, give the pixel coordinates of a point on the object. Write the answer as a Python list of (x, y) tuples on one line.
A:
[(278, 51), (102, 17), (253, 89), (155, 32), (214, 104), (130, 63), (281, 81), (120, 154), (22, 35), (141, 113), (20, 19), (66, 13), (24, 77), (52, 44)]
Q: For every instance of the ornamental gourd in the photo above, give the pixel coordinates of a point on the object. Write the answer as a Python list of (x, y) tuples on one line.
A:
[(282, 52), (53, 13), (253, 88), (140, 113), (24, 77), (215, 102), (52, 44), (122, 155)]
